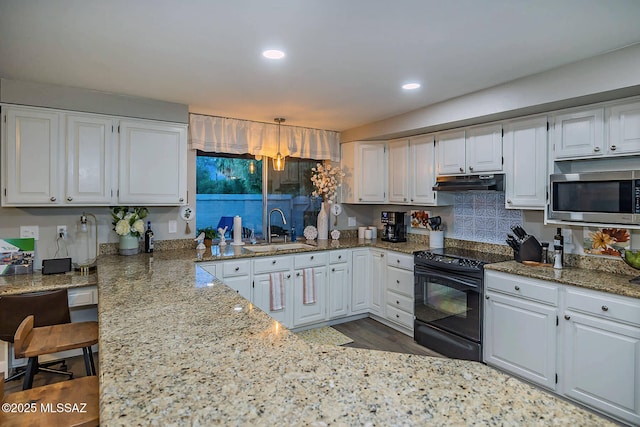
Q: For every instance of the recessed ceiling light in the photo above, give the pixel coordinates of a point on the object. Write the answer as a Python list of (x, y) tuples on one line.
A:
[(273, 54), (410, 86)]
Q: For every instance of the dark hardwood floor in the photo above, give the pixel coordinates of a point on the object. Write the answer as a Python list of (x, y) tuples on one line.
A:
[(373, 335), (74, 364)]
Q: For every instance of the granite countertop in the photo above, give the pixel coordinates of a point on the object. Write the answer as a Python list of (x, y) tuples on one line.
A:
[(23, 283), (589, 279), (174, 351)]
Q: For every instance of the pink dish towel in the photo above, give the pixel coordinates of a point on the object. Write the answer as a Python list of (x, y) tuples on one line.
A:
[(308, 286), (276, 291)]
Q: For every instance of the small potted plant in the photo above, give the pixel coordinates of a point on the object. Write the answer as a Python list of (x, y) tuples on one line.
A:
[(210, 233)]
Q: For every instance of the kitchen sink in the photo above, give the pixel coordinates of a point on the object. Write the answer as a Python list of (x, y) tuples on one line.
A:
[(278, 247)]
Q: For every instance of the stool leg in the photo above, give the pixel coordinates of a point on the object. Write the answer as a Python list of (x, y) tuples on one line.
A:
[(88, 361), (32, 368)]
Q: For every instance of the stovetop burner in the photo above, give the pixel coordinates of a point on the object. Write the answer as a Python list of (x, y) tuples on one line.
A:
[(457, 258)]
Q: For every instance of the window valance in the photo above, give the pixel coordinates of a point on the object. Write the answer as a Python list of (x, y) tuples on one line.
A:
[(233, 136)]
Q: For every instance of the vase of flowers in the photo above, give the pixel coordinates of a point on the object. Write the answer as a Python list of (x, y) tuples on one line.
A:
[(326, 180), (129, 225)]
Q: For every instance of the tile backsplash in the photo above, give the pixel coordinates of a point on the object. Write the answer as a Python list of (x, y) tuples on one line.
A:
[(481, 216)]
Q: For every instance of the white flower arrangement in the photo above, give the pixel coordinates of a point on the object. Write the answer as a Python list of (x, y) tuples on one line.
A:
[(125, 222), (326, 179)]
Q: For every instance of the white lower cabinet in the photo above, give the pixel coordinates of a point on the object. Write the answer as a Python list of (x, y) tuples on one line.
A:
[(263, 268), (399, 291), (601, 352), (360, 261), (234, 273), (339, 284), (314, 310), (376, 281), (586, 347)]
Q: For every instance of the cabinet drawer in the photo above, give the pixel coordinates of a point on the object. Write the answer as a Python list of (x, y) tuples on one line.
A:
[(399, 316), (395, 259), (211, 268), (603, 305), (270, 264), (537, 290), (401, 302), (400, 281), (311, 259), (337, 257), (82, 296), (235, 268)]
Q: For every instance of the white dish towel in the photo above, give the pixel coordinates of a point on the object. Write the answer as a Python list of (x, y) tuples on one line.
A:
[(308, 286), (276, 291)]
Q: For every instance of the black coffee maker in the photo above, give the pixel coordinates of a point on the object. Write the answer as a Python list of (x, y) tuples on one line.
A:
[(393, 227)]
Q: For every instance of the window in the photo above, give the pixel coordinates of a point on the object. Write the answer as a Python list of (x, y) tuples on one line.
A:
[(229, 185)]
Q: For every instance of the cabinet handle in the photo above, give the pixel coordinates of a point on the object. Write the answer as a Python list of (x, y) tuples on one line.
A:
[(298, 274), (398, 316), (486, 296), (339, 256), (312, 257), (53, 199), (237, 268), (517, 288), (567, 317), (69, 198), (181, 199), (274, 262), (381, 255), (333, 269), (596, 149), (404, 199), (605, 308), (470, 168), (397, 302), (288, 276), (509, 201), (412, 200), (360, 199), (461, 170), (398, 261), (397, 281)]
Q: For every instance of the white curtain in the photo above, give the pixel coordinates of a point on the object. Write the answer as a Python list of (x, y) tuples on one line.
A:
[(233, 136)]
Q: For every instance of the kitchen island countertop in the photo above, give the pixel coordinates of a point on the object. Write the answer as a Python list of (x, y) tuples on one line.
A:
[(175, 350)]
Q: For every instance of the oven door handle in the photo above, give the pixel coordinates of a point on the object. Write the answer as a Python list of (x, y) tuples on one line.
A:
[(460, 283)]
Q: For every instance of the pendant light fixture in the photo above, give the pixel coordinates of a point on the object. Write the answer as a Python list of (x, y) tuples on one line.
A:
[(278, 161)]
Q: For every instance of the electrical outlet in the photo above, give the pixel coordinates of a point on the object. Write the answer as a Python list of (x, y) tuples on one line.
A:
[(351, 222), (61, 231), (173, 227), (568, 236), (29, 231)]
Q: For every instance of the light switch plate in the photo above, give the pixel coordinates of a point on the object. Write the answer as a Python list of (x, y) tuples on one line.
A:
[(29, 231), (173, 227), (351, 221)]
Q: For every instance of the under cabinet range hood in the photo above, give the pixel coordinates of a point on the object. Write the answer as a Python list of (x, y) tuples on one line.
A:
[(470, 182)]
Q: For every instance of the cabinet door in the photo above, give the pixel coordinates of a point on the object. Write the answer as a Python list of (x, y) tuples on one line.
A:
[(261, 297), (624, 129), (525, 155), (361, 279), (451, 153), (578, 134), (602, 365), (399, 171), (30, 155), (423, 170), (377, 282), (153, 163), (371, 170), (520, 337), (89, 159), (484, 149), (240, 284), (313, 312), (339, 290)]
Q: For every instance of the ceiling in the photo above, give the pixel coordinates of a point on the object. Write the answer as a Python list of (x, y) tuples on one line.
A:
[(346, 59)]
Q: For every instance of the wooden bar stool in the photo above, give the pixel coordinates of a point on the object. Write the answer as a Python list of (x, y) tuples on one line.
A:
[(33, 342), (79, 397)]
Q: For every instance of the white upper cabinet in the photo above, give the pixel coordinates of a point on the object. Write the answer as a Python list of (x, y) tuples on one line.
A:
[(153, 163), (89, 150), (364, 165), (475, 150), (525, 163), (578, 134), (624, 129), (451, 153), (30, 155), (399, 171), (422, 164)]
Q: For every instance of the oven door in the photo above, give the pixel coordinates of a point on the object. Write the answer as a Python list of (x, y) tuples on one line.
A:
[(448, 302)]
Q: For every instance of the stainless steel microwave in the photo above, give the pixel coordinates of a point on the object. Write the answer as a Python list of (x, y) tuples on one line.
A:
[(606, 197)]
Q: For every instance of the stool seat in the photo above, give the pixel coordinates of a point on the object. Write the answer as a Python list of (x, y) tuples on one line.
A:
[(81, 392), (55, 338)]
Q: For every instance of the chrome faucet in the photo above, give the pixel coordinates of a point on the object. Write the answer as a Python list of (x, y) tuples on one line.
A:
[(284, 222)]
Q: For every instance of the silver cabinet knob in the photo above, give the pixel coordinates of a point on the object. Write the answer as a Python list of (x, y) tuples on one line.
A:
[(461, 170), (567, 317), (596, 149), (605, 308), (181, 199), (517, 288), (613, 148), (69, 198), (470, 168), (509, 201), (53, 199)]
